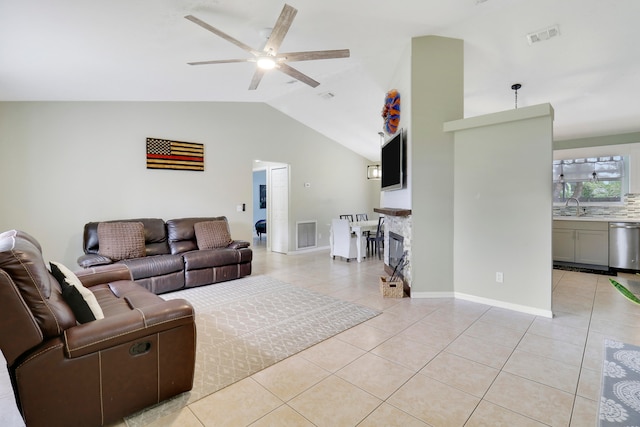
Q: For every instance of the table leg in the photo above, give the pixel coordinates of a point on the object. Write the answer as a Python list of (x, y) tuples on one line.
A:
[(359, 246)]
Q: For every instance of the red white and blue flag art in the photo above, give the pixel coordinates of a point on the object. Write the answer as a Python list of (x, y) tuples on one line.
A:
[(166, 154)]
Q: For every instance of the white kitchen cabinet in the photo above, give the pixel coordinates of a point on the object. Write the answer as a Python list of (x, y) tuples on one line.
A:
[(564, 247), (582, 242)]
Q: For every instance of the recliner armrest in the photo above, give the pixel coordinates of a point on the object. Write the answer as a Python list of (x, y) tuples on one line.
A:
[(139, 322), (91, 260), (103, 274), (238, 244)]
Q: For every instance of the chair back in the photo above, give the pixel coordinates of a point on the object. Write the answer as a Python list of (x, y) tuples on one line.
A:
[(31, 305), (342, 239), (348, 217), (380, 229), (340, 228), (362, 217)]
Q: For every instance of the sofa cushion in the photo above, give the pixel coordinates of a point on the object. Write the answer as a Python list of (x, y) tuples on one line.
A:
[(22, 266), (181, 234), (63, 274), (212, 234), (208, 258), (151, 266), (155, 236), (121, 240)]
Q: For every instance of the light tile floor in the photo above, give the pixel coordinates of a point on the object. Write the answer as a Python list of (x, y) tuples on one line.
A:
[(424, 362)]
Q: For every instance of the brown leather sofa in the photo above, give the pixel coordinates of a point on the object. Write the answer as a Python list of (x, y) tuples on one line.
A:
[(64, 373), (173, 260)]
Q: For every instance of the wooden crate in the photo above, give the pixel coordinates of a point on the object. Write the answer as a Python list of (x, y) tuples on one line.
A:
[(393, 289)]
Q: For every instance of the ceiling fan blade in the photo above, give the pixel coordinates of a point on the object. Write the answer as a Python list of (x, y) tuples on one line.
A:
[(221, 61), (316, 54), (224, 35), (257, 76), (290, 71), (280, 29)]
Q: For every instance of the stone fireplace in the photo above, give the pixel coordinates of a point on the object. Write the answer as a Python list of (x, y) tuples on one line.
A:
[(397, 240), (396, 251)]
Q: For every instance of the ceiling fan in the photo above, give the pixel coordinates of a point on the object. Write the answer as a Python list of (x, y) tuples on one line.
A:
[(269, 57)]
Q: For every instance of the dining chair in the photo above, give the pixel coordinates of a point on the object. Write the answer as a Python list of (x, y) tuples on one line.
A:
[(364, 217), (377, 242), (343, 241)]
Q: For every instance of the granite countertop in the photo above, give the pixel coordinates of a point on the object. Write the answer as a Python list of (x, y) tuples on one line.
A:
[(594, 218)]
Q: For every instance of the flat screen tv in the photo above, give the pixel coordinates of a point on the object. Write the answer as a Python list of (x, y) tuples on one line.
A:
[(393, 163)]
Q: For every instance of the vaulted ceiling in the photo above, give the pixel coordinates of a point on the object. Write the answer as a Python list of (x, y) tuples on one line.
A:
[(138, 50)]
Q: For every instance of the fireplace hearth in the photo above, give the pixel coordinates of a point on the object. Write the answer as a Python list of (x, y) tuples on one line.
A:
[(397, 242)]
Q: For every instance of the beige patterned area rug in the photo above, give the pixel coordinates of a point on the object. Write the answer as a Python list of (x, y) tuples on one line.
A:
[(246, 325)]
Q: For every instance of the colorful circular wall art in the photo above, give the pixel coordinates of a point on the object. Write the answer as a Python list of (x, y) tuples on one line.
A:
[(391, 112)]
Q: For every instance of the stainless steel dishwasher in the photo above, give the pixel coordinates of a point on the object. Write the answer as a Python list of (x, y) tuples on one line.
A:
[(624, 245)]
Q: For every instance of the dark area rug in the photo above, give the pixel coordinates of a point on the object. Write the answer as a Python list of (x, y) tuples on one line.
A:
[(620, 399)]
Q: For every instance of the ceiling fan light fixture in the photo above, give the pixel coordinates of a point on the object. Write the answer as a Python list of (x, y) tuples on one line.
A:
[(266, 63), (268, 57)]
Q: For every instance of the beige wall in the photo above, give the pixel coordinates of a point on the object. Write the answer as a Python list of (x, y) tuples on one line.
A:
[(437, 82), (63, 164), (502, 208), (402, 82)]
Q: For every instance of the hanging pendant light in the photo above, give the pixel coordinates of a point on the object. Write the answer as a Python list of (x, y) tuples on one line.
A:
[(515, 87), (561, 177)]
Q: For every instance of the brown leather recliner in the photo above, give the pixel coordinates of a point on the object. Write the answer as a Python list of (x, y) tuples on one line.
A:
[(90, 374)]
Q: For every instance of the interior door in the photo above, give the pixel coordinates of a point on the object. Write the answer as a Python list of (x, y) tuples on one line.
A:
[(279, 209)]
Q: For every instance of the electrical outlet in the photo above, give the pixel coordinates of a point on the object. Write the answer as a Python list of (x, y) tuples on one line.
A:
[(499, 277)]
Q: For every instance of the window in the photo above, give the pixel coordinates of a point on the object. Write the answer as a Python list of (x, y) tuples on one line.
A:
[(591, 180)]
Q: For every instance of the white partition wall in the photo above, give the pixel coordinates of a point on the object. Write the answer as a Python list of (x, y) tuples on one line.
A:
[(437, 83), (503, 208)]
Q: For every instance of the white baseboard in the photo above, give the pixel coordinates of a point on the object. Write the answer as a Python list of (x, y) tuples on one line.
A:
[(487, 301), (307, 250), (433, 294)]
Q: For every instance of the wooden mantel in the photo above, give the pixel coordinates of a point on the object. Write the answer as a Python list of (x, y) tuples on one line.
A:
[(393, 211)]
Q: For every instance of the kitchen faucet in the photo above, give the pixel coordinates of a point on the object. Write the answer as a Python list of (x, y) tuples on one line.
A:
[(577, 204)]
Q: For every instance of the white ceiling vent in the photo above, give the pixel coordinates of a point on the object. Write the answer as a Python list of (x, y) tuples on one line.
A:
[(542, 35)]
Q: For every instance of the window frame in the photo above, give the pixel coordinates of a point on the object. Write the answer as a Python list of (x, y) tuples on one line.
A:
[(624, 180)]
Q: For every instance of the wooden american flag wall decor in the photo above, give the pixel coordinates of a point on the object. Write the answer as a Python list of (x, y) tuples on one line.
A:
[(166, 154)]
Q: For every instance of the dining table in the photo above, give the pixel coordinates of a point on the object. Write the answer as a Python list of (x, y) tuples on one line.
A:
[(359, 228)]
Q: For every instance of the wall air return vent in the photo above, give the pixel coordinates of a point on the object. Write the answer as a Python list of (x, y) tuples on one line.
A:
[(306, 234), (542, 35)]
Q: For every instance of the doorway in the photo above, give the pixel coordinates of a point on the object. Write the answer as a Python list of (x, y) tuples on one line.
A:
[(273, 178)]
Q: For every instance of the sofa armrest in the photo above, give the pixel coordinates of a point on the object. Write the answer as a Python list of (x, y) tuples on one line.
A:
[(115, 330), (103, 274), (91, 260), (238, 244)]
